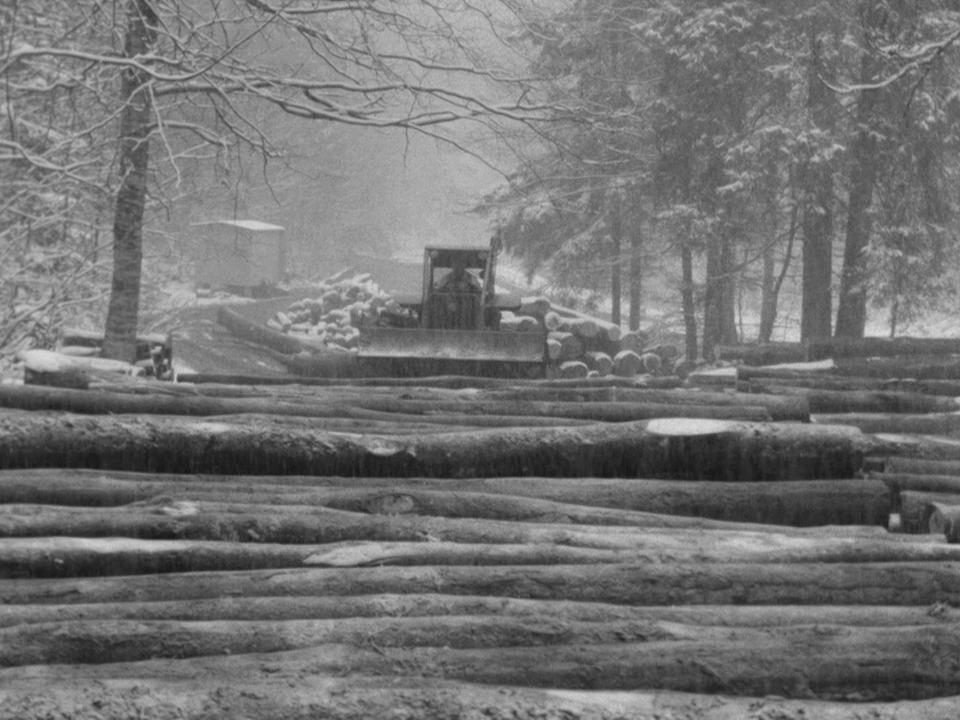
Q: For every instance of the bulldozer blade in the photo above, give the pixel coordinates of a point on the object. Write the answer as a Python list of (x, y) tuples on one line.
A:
[(455, 350)]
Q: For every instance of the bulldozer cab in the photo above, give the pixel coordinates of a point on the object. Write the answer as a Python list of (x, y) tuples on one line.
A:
[(458, 323), (458, 289)]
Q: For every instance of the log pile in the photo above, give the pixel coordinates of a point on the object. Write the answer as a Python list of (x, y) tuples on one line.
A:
[(458, 547), (577, 345)]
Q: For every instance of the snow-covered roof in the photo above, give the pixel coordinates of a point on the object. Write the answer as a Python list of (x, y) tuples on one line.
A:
[(255, 225)]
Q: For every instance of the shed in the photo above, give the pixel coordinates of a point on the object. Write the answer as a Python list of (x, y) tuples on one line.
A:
[(240, 255)]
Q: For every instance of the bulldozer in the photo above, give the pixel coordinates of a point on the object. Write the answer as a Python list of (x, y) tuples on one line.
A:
[(453, 326)]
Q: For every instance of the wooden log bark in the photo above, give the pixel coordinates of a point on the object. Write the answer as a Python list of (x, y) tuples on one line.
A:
[(61, 556), (920, 466), (849, 401), (763, 353), (703, 583), (924, 447), (437, 604), (257, 333), (915, 508), (573, 369), (253, 686), (794, 503), (824, 662), (943, 518), (113, 641), (599, 361), (820, 348), (627, 363), (899, 482), (687, 448), (570, 346), (38, 551), (929, 423), (948, 388)]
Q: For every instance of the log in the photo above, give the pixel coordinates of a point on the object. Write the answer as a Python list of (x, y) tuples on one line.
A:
[(554, 348), (437, 604), (820, 661), (763, 353), (290, 689), (948, 388), (943, 518), (537, 306), (620, 411), (921, 466), (928, 424), (257, 333), (849, 401), (915, 508), (571, 347), (516, 542), (117, 641), (627, 363), (928, 447), (651, 362), (59, 556), (820, 348), (599, 361), (917, 367), (632, 340), (800, 503), (703, 583), (898, 482), (669, 447), (573, 369)]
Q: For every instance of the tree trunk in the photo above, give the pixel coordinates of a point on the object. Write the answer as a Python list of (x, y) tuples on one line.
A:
[(630, 502), (689, 304), (864, 166), (670, 447), (816, 306), (292, 688), (636, 276), (136, 120), (768, 300), (712, 300), (616, 272)]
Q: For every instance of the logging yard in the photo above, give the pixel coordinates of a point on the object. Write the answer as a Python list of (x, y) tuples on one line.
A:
[(774, 537)]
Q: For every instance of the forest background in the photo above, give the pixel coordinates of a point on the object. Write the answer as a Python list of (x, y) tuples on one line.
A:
[(734, 171)]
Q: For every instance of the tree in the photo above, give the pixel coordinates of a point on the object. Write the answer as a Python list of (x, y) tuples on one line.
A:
[(168, 78)]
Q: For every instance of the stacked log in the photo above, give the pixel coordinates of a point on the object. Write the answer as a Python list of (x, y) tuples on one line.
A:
[(214, 551)]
